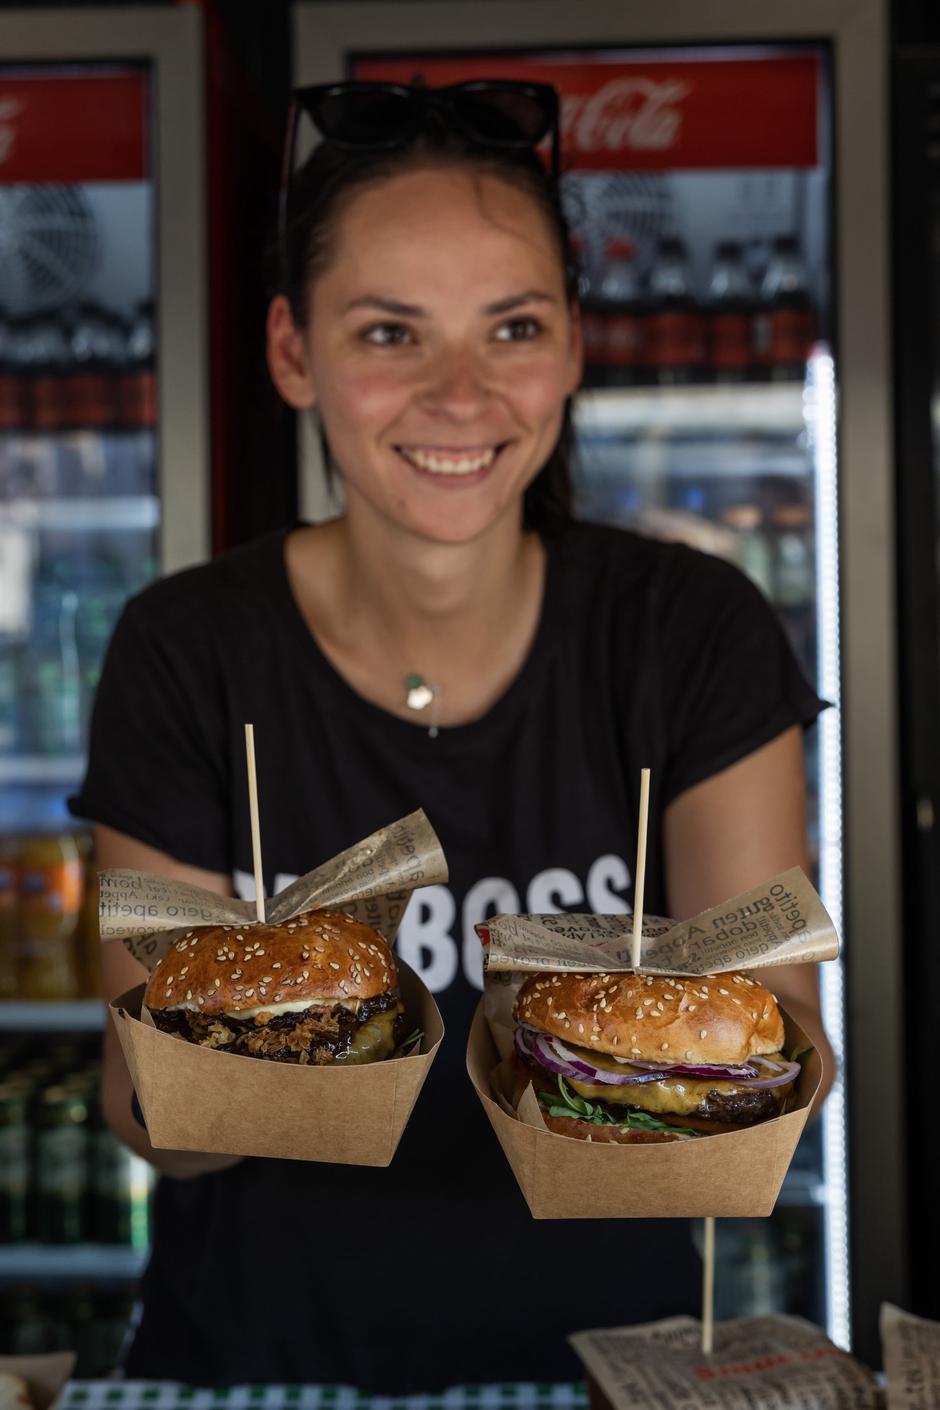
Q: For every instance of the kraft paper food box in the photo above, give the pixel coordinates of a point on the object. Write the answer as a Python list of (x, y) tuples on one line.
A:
[(198, 1099), (734, 1174)]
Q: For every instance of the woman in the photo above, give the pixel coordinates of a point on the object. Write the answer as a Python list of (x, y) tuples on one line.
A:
[(428, 313)]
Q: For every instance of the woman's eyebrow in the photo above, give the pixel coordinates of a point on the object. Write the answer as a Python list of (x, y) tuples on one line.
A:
[(400, 310)]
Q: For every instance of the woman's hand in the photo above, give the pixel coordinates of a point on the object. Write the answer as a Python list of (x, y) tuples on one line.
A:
[(735, 830), (120, 972)]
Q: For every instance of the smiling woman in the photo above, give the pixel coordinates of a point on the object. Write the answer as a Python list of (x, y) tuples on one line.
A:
[(453, 641)]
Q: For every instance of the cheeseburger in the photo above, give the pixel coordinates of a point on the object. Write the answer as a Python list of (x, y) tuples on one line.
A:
[(321, 988), (641, 1058)]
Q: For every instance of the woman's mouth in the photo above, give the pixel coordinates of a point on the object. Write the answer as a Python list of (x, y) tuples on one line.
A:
[(451, 461)]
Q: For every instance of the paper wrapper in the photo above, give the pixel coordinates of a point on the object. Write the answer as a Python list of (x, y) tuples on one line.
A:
[(910, 1348), (758, 1363), (736, 1174), (201, 1099), (45, 1376)]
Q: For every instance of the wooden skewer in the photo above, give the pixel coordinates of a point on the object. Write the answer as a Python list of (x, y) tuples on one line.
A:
[(708, 1287), (255, 822), (640, 868)]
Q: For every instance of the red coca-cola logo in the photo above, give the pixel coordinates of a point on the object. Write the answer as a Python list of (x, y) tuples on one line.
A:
[(626, 114)]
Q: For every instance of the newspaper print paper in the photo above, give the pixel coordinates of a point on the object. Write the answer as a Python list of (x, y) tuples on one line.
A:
[(782, 921), (371, 881), (910, 1348), (758, 1363)]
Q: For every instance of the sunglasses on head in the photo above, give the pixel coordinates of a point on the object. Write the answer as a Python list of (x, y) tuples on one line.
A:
[(493, 113)]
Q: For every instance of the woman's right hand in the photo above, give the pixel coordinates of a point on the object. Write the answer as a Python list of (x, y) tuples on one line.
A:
[(120, 972)]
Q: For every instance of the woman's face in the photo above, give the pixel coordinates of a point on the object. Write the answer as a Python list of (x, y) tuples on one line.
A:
[(440, 349)]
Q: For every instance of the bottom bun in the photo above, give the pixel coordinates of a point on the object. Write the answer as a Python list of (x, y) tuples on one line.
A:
[(590, 1131)]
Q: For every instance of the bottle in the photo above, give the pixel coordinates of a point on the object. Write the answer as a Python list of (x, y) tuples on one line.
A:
[(624, 316), (49, 895), (786, 326), (730, 305), (592, 319), (9, 985), (11, 394), (56, 669), (794, 574), (14, 1162), (676, 327), (91, 385), (139, 381), (50, 358), (754, 554), (61, 1144)]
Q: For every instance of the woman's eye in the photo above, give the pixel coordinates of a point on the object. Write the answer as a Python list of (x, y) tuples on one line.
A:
[(386, 335), (518, 330)]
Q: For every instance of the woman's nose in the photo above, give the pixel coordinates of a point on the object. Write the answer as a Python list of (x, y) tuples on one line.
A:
[(457, 387)]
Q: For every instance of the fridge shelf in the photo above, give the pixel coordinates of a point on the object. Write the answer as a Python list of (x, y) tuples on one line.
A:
[(51, 1016), (42, 768), (83, 514), (70, 1262), (772, 409)]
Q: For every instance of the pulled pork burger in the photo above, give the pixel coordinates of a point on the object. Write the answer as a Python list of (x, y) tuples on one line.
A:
[(643, 1058), (321, 988)]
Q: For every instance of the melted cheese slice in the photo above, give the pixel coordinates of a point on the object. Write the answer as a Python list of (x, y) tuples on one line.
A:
[(678, 1095)]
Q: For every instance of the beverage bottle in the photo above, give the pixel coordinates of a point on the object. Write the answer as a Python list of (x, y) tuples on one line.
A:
[(675, 325), (49, 896), (592, 319), (754, 553), (61, 1151), (730, 313), (14, 1162), (794, 572), (139, 377), (50, 357), (92, 387), (9, 984), (11, 392), (787, 325), (624, 316)]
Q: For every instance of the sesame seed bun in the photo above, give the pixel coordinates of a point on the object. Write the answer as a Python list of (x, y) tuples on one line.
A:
[(724, 1018), (321, 957)]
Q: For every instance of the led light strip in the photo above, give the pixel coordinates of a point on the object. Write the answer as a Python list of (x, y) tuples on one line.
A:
[(820, 416)]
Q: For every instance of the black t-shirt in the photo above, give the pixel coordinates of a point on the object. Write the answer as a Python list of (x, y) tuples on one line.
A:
[(430, 1272)]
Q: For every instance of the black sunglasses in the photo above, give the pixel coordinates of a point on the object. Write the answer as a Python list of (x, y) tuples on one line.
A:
[(495, 113)]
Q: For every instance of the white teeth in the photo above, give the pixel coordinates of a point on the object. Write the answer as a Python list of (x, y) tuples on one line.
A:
[(443, 465)]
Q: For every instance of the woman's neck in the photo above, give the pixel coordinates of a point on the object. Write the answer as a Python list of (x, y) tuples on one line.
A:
[(382, 605)]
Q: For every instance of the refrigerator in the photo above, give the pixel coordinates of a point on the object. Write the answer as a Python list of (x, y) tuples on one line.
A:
[(104, 485), (916, 270), (724, 175)]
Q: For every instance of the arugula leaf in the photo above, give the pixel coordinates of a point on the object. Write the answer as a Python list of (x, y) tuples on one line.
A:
[(582, 1110), (408, 1045)]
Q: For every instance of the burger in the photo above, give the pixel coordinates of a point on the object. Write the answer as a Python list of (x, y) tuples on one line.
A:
[(638, 1058), (321, 988)]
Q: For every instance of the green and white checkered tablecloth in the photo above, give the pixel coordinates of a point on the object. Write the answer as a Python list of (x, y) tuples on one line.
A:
[(167, 1395)]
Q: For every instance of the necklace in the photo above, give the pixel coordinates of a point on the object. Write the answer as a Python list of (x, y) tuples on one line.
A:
[(419, 695)]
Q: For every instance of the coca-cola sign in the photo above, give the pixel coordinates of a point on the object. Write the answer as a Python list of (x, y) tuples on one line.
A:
[(656, 113), (73, 127)]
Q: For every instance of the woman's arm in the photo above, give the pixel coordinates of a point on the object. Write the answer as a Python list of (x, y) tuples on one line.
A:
[(120, 972), (735, 830)]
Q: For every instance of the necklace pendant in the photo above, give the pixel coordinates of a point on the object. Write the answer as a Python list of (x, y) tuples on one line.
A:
[(418, 694)]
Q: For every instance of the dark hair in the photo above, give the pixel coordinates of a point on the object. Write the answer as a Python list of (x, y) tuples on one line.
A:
[(332, 174)]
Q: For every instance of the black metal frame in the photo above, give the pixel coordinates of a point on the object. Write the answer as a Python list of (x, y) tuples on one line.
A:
[(916, 278)]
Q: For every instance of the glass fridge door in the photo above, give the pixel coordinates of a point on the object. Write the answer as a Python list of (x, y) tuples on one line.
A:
[(698, 187), (79, 499)]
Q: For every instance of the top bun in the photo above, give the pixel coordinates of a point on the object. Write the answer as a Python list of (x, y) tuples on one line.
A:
[(720, 1018), (318, 957)]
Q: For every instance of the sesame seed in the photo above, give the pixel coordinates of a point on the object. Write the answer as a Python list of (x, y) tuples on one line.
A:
[(635, 1050), (580, 1027), (723, 991), (664, 1047), (249, 993), (754, 1015), (276, 965), (189, 993), (703, 1033), (333, 964), (217, 983), (692, 1008), (639, 1013)]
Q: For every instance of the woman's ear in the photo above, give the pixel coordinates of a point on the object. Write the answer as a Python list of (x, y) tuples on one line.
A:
[(287, 357)]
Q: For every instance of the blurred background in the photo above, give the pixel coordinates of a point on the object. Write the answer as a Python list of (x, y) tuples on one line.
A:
[(754, 197)]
